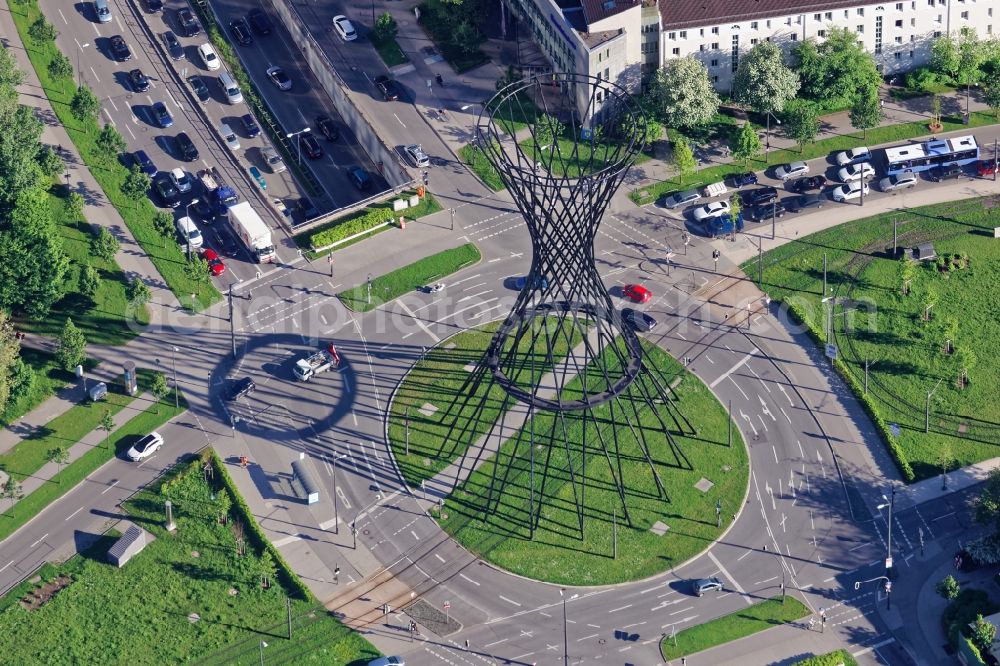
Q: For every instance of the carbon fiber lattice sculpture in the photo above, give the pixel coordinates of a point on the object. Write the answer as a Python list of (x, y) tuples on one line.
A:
[(573, 375)]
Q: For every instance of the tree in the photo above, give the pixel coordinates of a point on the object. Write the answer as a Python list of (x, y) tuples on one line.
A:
[(42, 32), (267, 569), (683, 158), (197, 269), (33, 264), (58, 455), (949, 330), (60, 67), (136, 184), (986, 507), (547, 129), (907, 270), (936, 110), (74, 205), (965, 360), (466, 37), (10, 349), (107, 425), (85, 105), (930, 300), (971, 56), (22, 379), (835, 69), (158, 387), (163, 222), (866, 110), (991, 92), (763, 82), (89, 281), (104, 245), (735, 205), (947, 587), (802, 123), (72, 346), (49, 161), (682, 95), (12, 491), (138, 292), (983, 633), (944, 55), (385, 28), (945, 459), (110, 142), (747, 144)]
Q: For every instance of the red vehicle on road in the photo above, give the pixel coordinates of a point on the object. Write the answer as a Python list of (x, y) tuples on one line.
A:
[(986, 167), (636, 293), (215, 265)]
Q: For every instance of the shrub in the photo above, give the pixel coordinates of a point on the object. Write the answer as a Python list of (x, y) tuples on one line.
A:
[(60, 66), (41, 31), (363, 221), (963, 611)]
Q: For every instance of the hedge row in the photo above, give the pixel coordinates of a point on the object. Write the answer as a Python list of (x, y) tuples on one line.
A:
[(364, 220), (257, 536)]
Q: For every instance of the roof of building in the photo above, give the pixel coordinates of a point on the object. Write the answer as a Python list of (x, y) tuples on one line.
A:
[(694, 13), (596, 10), (594, 39)]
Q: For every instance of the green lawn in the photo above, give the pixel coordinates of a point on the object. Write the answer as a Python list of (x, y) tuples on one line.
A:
[(476, 159), (907, 355), (390, 286), (559, 553), (105, 318), (110, 173), (49, 378), (142, 613), (835, 658), (880, 135), (742, 623), (390, 53), (437, 18)]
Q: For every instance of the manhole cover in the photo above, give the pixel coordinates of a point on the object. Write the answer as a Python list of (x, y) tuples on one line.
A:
[(428, 409), (659, 528), (704, 485)]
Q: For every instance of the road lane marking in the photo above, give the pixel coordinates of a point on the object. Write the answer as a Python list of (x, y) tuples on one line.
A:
[(291, 538), (872, 648), (419, 322), (74, 513), (327, 524), (738, 388), (510, 601), (6, 565), (502, 640), (441, 559), (41, 539), (618, 609), (113, 484), (463, 576), (739, 364)]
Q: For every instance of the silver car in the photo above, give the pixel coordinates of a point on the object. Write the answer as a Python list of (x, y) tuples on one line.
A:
[(416, 155), (901, 181), (681, 199), (793, 170), (703, 585), (708, 211), (856, 172)]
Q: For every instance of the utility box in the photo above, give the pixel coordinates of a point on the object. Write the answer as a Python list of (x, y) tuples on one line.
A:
[(303, 482), (130, 544), (399, 204)]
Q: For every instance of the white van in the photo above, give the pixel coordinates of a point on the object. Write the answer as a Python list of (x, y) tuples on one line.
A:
[(233, 94), (103, 11), (189, 232), (273, 159)]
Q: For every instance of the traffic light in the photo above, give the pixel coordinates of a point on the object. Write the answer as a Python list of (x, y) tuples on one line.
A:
[(716, 254)]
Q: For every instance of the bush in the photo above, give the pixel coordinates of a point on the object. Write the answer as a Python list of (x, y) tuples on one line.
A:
[(60, 66), (963, 611), (363, 221), (41, 31)]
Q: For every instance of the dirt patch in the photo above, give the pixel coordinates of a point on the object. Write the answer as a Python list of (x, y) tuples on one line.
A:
[(42, 595)]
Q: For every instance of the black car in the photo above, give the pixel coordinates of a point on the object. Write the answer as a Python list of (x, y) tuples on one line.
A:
[(946, 173), (361, 179), (250, 125), (199, 87), (310, 146), (241, 32), (307, 208), (203, 209), (119, 49), (154, 5), (748, 178), (186, 147), (807, 183), (240, 388), (327, 128), (767, 211), (639, 321), (388, 88), (173, 46), (805, 201), (260, 22), (762, 195), (168, 193), (138, 80), (188, 23)]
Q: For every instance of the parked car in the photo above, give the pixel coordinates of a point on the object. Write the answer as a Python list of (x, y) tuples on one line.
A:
[(199, 87), (209, 56), (241, 32), (142, 160), (945, 173), (807, 183), (636, 293), (416, 155), (361, 179), (853, 156), (344, 28), (639, 321), (793, 170), (986, 167), (310, 146), (154, 5), (229, 136), (741, 179), (186, 147), (703, 585), (272, 159), (182, 179), (387, 661), (173, 45), (188, 23), (679, 199), (327, 128), (165, 189), (161, 115), (215, 264), (805, 202), (763, 212), (724, 225), (710, 210), (856, 172), (849, 191), (279, 78), (98, 391), (119, 49), (145, 447), (901, 181), (250, 125), (387, 87), (138, 81), (260, 22), (761, 195), (241, 387)]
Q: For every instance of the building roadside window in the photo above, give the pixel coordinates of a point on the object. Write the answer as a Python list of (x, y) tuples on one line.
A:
[(715, 46), (861, 28), (899, 23), (829, 16), (715, 62), (754, 41), (753, 25), (684, 34), (676, 52), (821, 33), (965, 16), (793, 37), (672, 36)]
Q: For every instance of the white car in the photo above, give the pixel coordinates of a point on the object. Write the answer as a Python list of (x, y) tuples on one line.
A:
[(853, 156), (793, 170), (230, 136), (344, 28), (855, 172), (901, 181), (416, 155), (145, 447), (279, 78), (209, 56), (182, 179), (849, 191), (708, 211), (387, 661)]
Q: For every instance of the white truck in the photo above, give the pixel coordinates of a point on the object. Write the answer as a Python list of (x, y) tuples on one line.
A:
[(314, 364), (252, 230)]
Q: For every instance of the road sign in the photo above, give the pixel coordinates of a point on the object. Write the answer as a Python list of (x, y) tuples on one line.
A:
[(447, 605), (831, 351), (586, 134), (888, 563)]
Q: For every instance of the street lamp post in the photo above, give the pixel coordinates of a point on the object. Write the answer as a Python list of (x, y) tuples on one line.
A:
[(298, 140), (562, 594), (782, 565), (927, 408), (369, 289), (173, 362), (79, 71), (187, 213), (263, 644), (767, 145), (890, 502)]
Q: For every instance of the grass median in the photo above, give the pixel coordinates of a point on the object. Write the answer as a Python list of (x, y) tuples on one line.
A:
[(835, 658), (481, 166), (728, 628), (49, 378), (390, 52), (403, 280)]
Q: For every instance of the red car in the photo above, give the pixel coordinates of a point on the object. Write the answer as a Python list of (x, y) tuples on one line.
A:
[(636, 293), (215, 265), (986, 167)]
